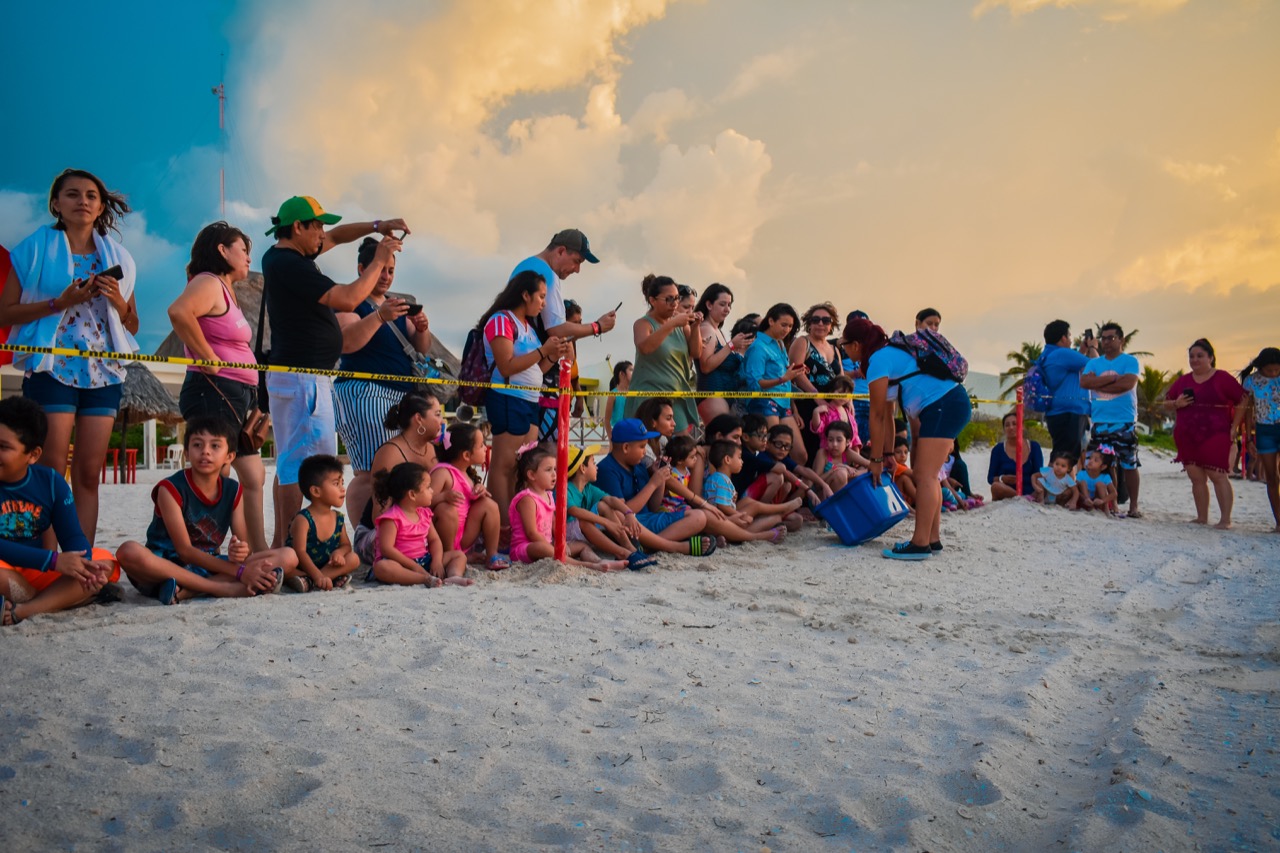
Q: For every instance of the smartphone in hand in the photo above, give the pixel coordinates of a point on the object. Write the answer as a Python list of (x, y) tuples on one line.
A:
[(116, 272), (414, 310)]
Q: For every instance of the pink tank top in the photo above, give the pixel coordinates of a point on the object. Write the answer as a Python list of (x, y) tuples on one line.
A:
[(229, 335), (461, 483), (544, 512)]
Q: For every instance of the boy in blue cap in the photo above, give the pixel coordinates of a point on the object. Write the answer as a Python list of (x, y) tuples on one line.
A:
[(621, 475)]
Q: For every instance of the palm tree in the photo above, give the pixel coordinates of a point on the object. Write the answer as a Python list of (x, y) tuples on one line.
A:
[(1022, 359), (1151, 388)]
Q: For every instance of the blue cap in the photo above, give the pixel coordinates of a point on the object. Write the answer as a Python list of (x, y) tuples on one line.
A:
[(631, 429)]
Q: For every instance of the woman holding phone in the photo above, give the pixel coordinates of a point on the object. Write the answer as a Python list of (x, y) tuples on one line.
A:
[(1203, 402), (667, 344), (721, 361), (370, 345), (768, 367), (72, 286)]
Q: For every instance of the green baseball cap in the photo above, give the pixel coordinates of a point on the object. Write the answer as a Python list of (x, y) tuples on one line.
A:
[(301, 208)]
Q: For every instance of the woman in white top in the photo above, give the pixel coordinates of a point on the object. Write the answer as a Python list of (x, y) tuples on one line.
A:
[(58, 295), (511, 346)]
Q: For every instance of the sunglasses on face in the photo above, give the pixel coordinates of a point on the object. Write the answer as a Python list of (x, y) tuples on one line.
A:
[(826, 321)]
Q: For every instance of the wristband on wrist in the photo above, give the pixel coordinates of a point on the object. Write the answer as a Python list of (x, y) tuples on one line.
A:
[(53, 306), (240, 571), (595, 329), (376, 224)]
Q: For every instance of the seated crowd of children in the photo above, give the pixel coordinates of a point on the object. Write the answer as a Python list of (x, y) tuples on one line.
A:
[(641, 498)]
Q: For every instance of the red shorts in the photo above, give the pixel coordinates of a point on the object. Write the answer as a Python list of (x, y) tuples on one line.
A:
[(40, 580), (756, 490)]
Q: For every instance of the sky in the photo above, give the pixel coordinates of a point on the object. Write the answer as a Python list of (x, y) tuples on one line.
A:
[(1008, 162)]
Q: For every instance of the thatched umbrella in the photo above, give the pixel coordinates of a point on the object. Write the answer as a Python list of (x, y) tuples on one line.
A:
[(145, 398), (249, 295)]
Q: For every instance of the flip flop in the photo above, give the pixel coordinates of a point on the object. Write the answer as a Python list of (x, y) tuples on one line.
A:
[(167, 592), (13, 614), (779, 534), (1133, 513), (907, 551), (279, 573), (498, 562), (341, 581), (702, 546), (638, 560), (298, 583)]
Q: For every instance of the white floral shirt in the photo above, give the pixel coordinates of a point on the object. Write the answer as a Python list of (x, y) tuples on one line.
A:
[(84, 327)]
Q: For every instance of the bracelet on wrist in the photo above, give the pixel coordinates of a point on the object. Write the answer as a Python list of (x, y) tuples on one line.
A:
[(595, 329), (53, 305), (377, 223), (240, 571)]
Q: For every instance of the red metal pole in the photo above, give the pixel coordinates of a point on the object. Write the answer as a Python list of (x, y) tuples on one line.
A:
[(1018, 472), (562, 462)]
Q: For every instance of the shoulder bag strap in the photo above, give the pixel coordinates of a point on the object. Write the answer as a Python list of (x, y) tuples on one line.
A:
[(409, 348)]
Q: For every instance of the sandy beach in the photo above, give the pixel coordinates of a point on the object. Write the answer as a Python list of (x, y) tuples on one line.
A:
[(1053, 680)]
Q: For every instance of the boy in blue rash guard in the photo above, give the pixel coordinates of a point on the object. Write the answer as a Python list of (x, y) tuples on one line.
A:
[(194, 510), (34, 498)]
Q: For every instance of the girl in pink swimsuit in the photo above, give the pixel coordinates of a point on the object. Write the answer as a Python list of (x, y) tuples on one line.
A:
[(408, 550), (463, 507), (533, 512)]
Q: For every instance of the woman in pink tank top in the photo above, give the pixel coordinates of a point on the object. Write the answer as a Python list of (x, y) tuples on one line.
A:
[(207, 319)]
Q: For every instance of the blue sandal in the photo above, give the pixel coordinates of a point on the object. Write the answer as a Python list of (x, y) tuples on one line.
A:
[(167, 591), (638, 560)]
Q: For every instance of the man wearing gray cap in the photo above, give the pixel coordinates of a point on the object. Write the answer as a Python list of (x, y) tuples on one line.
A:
[(562, 258)]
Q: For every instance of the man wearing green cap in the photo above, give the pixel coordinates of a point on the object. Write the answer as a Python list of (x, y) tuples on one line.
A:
[(562, 258), (301, 302)]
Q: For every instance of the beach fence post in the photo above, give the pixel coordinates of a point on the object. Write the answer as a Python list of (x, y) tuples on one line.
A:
[(1017, 474), (562, 462)]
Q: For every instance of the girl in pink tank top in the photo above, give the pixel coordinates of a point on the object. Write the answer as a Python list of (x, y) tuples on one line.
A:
[(229, 336), (464, 508), (533, 514)]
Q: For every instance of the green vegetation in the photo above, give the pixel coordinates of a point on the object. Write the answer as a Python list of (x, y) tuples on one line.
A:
[(1160, 439), (984, 429)]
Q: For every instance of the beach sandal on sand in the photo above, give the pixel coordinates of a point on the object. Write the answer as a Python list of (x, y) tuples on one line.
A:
[(908, 551), (702, 546), (110, 593), (299, 583), (1133, 513), (498, 562), (638, 560), (341, 581), (7, 610), (167, 591), (779, 533), (279, 573)]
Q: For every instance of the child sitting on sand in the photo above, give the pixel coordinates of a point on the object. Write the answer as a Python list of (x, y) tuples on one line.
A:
[(796, 480), (1055, 481), (838, 460), (318, 533), (755, 437), (605, 522), (835, 410), (194, 509), (622, 476), (532, 515), (902, 472), (33, 498), (409, 551), (464, 509), (680, 452), (726, 460), (1094, 484)]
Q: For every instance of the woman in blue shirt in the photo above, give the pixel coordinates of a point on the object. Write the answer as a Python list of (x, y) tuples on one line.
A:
[(942, 408), (768, 367)]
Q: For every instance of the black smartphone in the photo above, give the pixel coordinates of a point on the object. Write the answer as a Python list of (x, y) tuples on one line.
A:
[(414, 310), (1088, 334), (1189, 393), (116, 272), (615, 310)]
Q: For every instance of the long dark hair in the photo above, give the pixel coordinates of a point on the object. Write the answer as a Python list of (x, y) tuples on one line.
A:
[(1203, 343), (867, 335), (777, 312), (512, 296), (618, 369), (925, 313), (205, 256), (114, 206), (1267, 357), (721, 425), (709, 296), (462, 437)]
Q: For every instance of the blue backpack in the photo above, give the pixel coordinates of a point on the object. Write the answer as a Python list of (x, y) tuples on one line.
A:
[(1036, 394), (934, 355)]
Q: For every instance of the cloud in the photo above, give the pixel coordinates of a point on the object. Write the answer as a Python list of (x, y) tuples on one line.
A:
[(1220, 258), (1108, 10), (767, 68), (1200, 173)]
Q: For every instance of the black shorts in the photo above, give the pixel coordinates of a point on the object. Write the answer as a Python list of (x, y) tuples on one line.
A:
[(1067, 431), (200, 397)]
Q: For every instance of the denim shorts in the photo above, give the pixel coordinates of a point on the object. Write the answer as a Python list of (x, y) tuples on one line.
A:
[(768, 408), (510, 414), (1268, 438), (302, 420), (58, 399), (946, 417), (656, 522)]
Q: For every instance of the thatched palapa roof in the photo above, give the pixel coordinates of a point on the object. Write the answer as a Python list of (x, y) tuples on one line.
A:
[(145, 397)]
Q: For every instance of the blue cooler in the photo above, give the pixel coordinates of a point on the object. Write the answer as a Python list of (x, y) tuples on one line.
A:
[(862, 511)]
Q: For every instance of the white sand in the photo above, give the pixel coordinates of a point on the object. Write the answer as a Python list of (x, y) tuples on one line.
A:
[(1053, 681)]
